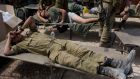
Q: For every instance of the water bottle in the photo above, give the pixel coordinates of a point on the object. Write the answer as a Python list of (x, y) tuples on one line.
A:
[(52, 34)]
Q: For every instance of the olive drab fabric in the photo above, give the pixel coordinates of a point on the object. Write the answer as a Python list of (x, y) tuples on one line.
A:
[(81, 28), (64, 52), (54, 14), (110, 7)]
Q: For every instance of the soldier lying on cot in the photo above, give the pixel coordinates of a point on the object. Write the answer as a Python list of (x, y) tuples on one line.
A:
[(68, 53)]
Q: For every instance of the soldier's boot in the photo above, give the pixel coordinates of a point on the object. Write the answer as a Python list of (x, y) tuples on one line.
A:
[(105, 44), (115, 73), (125, 64), (121, 25)]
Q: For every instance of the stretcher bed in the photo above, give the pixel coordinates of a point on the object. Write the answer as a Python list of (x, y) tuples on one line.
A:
[(129, 38)]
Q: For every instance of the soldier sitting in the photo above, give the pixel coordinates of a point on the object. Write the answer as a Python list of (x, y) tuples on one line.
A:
[(58, 15), (44, 15), (70, 54)]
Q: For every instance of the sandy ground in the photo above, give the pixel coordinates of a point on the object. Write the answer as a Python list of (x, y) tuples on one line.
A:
[(23, 70)]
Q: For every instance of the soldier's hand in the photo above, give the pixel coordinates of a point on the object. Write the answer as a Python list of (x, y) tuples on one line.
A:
[(11, 34)]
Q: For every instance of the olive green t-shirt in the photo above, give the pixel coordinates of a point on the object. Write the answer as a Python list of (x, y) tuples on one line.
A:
[(38, 43), (54, 14)]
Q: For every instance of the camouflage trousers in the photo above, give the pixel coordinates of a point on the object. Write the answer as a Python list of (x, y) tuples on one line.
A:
[(76, 56), (105, 27)]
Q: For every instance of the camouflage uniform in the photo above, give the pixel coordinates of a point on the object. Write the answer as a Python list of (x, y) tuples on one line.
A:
[(63, 52), (111, 7), (105, 27)]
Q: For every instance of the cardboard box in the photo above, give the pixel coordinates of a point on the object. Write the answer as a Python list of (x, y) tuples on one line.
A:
[(7, 8), (2, 29), (8, 20)]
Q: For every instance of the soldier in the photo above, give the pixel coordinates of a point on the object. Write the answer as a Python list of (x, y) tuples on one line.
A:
[(43, 16), (105, 27), (69, 54), (110, 7), (53, 14)]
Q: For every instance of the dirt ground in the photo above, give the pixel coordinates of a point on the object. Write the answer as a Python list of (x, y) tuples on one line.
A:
[(17, 69)]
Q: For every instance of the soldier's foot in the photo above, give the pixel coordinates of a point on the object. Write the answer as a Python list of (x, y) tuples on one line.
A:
[(125, 64), (115, 73)]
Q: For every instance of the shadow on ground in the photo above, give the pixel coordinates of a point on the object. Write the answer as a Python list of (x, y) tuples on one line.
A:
[(24, 70)]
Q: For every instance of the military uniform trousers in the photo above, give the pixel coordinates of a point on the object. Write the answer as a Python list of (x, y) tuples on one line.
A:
[(105, 27)]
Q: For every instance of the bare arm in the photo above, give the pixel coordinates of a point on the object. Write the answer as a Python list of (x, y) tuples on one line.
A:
[(63, 12), (41, 18), (137, 6), (7, 48)]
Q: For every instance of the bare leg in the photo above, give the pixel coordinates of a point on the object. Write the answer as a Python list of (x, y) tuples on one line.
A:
[(29, 22), (79, 19)]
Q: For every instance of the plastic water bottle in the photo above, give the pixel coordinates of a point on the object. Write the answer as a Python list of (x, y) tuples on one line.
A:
[(52, 34)]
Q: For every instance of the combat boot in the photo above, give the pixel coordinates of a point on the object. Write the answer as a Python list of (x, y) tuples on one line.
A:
[(115, 73), (125, 64)]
